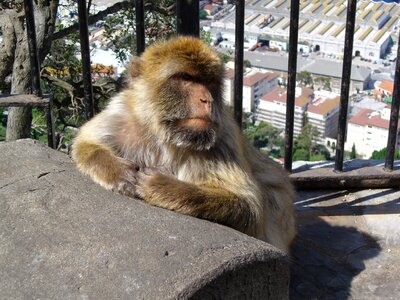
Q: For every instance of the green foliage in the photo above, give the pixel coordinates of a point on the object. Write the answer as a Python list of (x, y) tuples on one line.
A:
[(227, 57), (206, 36), (301, 154), (317, 157), (325, 82), (246, 64), (263, 135), (308, 136), (203, 14), (306, 146), (305, 78), (381, 154), (353, 153)]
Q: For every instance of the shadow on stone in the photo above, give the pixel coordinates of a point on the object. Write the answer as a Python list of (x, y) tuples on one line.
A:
[(329, 252), (326, 258)]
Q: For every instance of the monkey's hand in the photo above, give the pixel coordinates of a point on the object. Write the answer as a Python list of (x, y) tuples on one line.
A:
[(145, 180), (123, 178), (203, 201)]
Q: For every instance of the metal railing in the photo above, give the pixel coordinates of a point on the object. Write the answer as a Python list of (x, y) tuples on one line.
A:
[(188, 23)]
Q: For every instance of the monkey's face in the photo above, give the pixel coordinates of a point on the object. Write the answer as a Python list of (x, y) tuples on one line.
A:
[(184, 79), (190, 112)]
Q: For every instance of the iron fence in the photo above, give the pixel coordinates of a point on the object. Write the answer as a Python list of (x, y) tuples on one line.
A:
[(187, 12)]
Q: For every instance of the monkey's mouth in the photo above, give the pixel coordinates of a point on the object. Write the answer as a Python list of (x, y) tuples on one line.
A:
[(196, 123)]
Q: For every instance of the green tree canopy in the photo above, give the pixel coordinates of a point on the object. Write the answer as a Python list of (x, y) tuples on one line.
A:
[(381, 154), (305, 78)]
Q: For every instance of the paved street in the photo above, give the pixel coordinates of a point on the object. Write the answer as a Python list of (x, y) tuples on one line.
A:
[(348, 246)]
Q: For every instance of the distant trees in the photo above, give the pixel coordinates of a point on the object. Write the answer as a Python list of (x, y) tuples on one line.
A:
[(323, 82), (306, 146), (381, 154), (61, 69), (263, 135), (353, 153), (305, 78)]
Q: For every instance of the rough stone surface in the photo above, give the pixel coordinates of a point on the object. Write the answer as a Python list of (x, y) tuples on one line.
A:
[(64, 237), (348, 245)]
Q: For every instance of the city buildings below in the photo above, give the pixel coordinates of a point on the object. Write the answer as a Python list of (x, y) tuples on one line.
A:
[(255, 84), (368, 131), (272, 107), (319, 67), (323, 113), (383, 89), (321, 26)]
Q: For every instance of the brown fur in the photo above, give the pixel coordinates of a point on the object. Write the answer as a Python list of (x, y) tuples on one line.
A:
[(169, 140)]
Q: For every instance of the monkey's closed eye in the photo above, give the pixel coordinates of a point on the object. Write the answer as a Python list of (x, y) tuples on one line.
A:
[(184, 76)]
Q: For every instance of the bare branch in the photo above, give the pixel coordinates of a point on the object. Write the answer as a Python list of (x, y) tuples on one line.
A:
[(167, 11), (58, 82), (93, 19)]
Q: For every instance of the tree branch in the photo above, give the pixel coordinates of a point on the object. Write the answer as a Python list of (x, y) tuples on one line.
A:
[(93, 19), (167, 11)]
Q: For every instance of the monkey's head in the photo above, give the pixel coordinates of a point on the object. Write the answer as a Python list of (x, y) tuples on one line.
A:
[(181, 84)]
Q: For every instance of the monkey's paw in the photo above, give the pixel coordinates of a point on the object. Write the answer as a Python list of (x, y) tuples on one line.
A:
[(147, 180), (124, 182)]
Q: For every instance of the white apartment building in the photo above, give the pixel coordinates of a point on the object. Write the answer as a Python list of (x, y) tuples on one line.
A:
[(368, 131), (255, 84), (228, 86), (323, 113), (272, 107)]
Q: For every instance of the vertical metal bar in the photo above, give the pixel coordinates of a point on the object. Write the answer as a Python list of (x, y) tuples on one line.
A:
[(50, 124), (345, 85), (291, 85), (140, 42), (239, 44), (32, 46), (394, 116), (85, 52), (187, 17)]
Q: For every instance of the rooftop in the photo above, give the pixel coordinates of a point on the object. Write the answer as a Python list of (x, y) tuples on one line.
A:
[(255, 77), (279, 94), (387, 85), (369, 117), (322, 106)]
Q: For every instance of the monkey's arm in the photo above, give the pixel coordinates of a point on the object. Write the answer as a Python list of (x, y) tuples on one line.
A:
[(104, 167), (204, 201), (94, 156)]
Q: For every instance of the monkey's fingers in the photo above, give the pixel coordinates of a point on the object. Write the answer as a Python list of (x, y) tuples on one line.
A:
[(124, 188), (141, 178)]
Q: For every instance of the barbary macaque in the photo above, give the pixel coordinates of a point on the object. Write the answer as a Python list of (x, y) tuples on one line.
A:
[(169, 140)]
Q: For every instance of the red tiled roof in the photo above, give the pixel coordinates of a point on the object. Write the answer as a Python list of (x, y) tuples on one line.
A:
[(279, 94), (387, 85), (252, 79), (323, 106), (364, 118)]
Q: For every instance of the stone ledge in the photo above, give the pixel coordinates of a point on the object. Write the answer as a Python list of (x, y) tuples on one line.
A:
[(62, 236)]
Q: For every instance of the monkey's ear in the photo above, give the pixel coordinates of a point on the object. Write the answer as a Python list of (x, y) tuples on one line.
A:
[(136, 67)]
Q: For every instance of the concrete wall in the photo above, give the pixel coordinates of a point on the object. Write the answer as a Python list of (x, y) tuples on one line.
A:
[(64, 237)]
